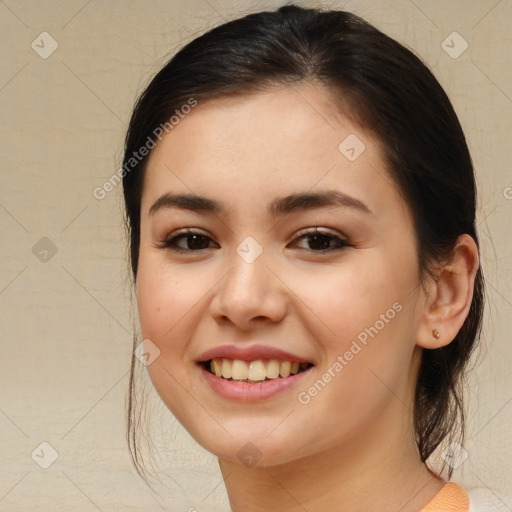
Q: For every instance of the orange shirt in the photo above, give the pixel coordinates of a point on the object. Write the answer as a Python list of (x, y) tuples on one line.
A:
[(451, 498)]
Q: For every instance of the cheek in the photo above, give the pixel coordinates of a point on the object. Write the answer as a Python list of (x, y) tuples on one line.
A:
[(365, 319), (374, 337), (165, 305), (162, 299), (350, 298)]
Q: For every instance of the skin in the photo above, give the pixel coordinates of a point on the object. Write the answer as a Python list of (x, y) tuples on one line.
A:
[(352, 446)]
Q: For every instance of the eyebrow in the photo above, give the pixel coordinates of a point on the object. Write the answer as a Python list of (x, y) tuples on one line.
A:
[(279, 207)]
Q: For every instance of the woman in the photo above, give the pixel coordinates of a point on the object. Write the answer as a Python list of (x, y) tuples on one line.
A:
[(300, 202)]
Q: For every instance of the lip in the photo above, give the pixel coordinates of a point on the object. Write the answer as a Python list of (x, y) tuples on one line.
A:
[(247, 392), (250, 353)]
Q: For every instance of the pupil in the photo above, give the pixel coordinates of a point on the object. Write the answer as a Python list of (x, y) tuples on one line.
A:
[(324, 241), (196, 241)]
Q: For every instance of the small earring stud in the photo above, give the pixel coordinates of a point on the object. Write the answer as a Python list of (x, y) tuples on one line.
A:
[(436, 334)]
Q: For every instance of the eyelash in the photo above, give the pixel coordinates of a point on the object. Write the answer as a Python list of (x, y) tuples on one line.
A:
[(170, 243)]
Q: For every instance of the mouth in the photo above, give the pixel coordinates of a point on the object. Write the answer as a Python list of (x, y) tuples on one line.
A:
[(254, 372)]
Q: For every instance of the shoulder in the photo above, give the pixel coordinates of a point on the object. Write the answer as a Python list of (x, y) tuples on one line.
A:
[(455, 498), (488, 500)]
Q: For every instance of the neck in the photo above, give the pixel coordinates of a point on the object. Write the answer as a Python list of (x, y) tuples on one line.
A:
[(380, 470)]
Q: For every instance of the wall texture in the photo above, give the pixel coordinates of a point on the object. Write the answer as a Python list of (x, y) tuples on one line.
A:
[(70, 71)]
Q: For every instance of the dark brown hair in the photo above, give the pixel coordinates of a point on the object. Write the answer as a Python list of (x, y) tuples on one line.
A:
[(389, 91)]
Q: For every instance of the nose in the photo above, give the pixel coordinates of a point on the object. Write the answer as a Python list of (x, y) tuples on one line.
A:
[(249, 294)]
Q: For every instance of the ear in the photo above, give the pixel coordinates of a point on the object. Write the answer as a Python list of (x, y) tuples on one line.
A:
[(449, 296)]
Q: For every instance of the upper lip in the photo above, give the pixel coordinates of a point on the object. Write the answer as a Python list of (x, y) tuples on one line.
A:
[(249, 353)]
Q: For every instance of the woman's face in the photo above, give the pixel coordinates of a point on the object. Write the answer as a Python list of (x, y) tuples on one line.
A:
[(300, 250)]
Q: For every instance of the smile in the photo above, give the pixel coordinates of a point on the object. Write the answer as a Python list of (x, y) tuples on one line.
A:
[(254, 371), (252, 381)]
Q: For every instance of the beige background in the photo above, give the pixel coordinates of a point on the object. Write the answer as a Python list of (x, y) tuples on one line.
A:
[(65, 322)]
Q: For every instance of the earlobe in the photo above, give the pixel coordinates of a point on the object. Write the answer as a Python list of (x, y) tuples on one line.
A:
[(450, 296)]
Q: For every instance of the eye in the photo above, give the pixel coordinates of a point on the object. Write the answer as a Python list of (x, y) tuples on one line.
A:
[(190, 240), (322, 241), (187, 240)]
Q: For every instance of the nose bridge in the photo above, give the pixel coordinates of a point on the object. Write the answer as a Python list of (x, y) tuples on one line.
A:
[(248, 272), (249, 290)]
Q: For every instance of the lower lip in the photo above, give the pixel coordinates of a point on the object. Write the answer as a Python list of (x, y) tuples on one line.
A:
[(246, 392)]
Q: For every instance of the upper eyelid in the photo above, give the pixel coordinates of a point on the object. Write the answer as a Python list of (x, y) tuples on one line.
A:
[(320, 230), (184, 231)]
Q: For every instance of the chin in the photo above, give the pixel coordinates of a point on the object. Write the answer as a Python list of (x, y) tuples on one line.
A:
[(254, 449)]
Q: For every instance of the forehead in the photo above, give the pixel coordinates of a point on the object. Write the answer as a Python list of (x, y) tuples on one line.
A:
[(292, 118), (283, 139)]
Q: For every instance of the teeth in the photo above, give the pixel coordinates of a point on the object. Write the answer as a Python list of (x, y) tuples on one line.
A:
[(239, 370), (254, 371), (226, 369), (216, 367), (273, 369), (285, 368), (257, 370)]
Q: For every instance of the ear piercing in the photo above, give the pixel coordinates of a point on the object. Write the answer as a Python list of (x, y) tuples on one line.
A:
[(436, 334)]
